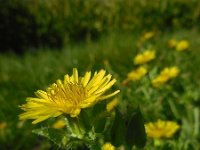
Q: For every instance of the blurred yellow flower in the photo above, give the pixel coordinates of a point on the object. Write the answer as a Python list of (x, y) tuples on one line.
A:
[(145, 57), (137, 74), (69, 96), (148, 35), (3, 125), (172, 43), (59, 124), (165, 75), (182, 45), (112, 104), (171, 72), (161, 129), (108, 146)]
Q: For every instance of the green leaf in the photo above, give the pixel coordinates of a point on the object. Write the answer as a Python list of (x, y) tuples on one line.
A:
[(85, 120), (135, 131), (57, 136), (95, 146), (74, 127), (118, 130), (99, 124), (99, 116)]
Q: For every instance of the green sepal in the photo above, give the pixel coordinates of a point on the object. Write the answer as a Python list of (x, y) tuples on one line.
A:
[(56, 136), (118, 130), (74, 127), (136, 134)]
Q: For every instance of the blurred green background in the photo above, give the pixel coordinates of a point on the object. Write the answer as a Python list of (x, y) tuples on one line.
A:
[(53, 23), (41, 40)]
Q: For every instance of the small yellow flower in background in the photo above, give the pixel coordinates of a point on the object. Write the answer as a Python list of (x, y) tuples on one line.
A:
[(172, 43), (137, 74), (165, 75), (112, 104), (171, 72), (145, 57), (3, 125), (108, 146), (59, 124), (68, 96), (148, 35), (182, 45), (161, 129)]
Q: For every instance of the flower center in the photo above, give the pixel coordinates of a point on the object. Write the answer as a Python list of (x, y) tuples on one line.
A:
[(69, 93)]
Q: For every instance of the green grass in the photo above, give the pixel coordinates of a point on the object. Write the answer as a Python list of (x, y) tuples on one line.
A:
[(21, 76)]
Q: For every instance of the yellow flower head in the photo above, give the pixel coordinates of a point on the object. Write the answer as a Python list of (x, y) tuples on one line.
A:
[(165, 75), (59, 124), (172, 43), (182, 45), (144, 57), (148, 35), (108, 146), (68, 96), (111, 105), (171, 72), (137, 74), (161, 129)]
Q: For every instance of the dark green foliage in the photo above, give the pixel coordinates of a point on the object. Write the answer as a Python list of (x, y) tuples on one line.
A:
[(118, 131), (18, 27), (51, 23), (135, 130)]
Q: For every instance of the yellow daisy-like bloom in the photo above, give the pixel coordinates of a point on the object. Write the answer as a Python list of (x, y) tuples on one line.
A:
[(165, 75), (172, 43), (59, 124), (182, 45), (137, 74), (171, 72), (68, 96), (108, 146), (111, 105), (144, 57), (161, 129)]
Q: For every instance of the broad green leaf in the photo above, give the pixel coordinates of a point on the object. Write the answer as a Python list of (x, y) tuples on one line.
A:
[(99, 124), (118, 130), (99, 115), (135, 131)]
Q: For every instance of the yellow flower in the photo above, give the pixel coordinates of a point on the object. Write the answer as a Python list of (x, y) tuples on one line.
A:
[(172, 72), (3, 125), (172, 43), (111, 105), (161, 129), (68, 96), (144, 57), (148, 35), (108, 146), (137, 74), (182, 45), (59, 124), (165, 75)]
